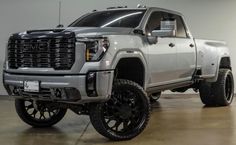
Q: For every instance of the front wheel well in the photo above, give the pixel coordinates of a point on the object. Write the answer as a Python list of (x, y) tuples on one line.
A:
[(130, 69)]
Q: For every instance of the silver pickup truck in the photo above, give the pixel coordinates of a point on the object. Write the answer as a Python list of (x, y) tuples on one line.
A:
[(110, 65)]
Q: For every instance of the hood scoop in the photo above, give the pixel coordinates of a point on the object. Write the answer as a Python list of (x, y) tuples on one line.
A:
[(45, 31)]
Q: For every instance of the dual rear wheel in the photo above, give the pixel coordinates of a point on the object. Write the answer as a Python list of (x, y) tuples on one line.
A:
[(219, 93)]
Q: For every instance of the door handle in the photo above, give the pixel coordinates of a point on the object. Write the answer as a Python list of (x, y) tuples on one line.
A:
[(191, 45), (172, 45)]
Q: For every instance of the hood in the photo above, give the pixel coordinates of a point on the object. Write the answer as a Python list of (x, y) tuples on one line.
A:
[(96, 31), (71, 31)]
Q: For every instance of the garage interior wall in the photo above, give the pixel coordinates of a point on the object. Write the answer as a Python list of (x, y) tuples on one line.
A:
[(211, 19)]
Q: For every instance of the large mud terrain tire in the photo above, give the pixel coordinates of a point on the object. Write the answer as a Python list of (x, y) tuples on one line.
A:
[(42, 114), (125, 115), (219, 93)]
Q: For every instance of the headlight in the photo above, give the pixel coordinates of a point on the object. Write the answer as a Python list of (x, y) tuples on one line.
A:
[(95, 48)]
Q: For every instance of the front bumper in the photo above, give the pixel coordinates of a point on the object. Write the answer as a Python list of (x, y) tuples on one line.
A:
[(61, 88)]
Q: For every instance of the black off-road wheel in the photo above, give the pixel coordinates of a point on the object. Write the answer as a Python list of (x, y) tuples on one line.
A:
[(40, 114), (125, 115), (219, 93)]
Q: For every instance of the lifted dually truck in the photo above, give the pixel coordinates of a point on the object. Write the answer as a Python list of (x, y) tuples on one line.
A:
[(110, 65)]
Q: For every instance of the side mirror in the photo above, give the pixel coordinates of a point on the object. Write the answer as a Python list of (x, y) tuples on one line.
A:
[(164, 33), (152, 39), (60, 26)]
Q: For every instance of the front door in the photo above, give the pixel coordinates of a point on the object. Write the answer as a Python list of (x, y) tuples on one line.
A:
[(163, 61), (162, 57)]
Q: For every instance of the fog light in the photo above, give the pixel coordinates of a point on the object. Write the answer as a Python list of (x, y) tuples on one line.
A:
[(91, 84), (72, 94)]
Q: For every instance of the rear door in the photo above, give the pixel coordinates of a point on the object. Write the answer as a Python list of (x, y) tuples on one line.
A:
[(186, 51)]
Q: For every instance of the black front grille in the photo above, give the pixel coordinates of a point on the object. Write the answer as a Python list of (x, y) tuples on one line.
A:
[(51, 52)]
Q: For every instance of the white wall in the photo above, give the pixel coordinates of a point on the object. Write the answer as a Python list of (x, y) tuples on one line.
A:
[(211, 19)]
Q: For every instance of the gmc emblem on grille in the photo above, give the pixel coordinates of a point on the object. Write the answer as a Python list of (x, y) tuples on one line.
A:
[(34, 46)]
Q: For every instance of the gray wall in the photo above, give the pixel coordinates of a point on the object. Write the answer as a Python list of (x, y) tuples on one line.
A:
[(211, 19)]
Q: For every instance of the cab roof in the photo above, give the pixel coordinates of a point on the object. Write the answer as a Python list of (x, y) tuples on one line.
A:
[(145, 8)]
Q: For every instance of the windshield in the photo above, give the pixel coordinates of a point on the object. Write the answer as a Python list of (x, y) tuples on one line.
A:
[(113, 18)]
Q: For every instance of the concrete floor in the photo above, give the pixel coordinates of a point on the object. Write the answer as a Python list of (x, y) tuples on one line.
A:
[(175, 120)]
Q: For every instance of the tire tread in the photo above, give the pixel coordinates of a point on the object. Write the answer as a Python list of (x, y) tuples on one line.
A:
[(98, 125)]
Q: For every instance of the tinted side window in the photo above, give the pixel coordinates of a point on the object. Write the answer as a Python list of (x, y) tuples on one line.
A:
[(181, 32), (180, 28), (154, 22), (163, 23)]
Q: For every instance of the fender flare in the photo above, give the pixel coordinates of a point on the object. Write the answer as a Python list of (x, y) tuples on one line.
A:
[(131, 53), (214, 79)]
